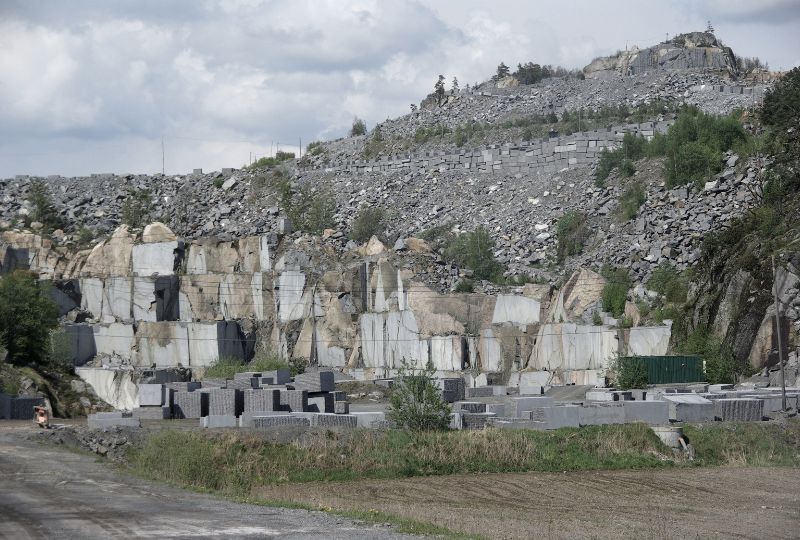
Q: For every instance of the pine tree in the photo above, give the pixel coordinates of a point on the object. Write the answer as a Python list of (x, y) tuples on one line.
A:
[(454, 89), (438, 89)]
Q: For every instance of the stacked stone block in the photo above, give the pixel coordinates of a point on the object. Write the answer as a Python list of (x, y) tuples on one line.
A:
[(225, 401), (190, 404)]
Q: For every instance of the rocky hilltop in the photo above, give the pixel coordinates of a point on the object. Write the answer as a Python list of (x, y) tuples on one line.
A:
[(691, 51)]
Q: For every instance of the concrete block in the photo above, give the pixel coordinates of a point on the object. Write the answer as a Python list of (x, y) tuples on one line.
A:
[(278, 376), (556, 417), (524, 404), (218, 421), (600, 414), (649, 412), (689, 408), (739, 410), (151, 395), (98, 423)]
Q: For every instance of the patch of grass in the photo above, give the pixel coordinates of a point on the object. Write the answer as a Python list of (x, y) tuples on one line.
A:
[(571, 233), (474, 250), (615, 291), (235, 463), (226, 368), (746, 443), (667, 281), (631, 200)]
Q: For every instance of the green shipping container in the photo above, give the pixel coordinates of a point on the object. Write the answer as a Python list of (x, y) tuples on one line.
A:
[(673, 369)]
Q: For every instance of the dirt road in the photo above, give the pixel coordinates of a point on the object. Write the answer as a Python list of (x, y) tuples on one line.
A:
[(48, 492), (761, 503)]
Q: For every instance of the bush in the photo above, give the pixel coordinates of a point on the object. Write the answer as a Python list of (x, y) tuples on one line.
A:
[(26, 317), (667, 281), (358, 128), (629, 372), (615, 291), (782, 102), (720, 364), (226, 368), (597, 320), (631, 199), (136, 208), (315, 148), (369, 222), (417, 403), (43, 209), (474, 250), (310, 209), (265, 163), (465, 286), (571, 233)]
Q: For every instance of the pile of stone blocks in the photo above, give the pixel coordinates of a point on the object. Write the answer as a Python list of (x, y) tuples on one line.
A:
[(654, 413), (225, 401)]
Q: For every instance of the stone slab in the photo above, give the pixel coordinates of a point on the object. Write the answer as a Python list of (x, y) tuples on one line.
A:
[(649, 412), (739, 410), (218, 421), (689, 408), (601, 414)]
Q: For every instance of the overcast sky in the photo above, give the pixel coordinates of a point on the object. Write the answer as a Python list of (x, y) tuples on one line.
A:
[(92, 86)]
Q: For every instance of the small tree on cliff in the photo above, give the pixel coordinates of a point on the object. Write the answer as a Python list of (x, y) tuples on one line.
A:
[(26, 317)]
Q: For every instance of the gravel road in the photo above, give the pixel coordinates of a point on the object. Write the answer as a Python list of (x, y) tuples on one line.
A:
[(49, 492)]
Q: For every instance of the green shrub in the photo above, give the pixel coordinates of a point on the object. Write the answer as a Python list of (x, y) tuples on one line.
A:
[(85, 235), (218, 182), (27, 315), (782, 102), (615, 291), (417, 403), (465, 286), (691, 163), (459, 137), (667, 281), (474, 250), (571, 233), (597, 320), (631, 199), (266, 163), (358, 128), (44, 211), (369, 221), (315, 148), (720, 363), (137, 208), (628, 372), (627, 168)]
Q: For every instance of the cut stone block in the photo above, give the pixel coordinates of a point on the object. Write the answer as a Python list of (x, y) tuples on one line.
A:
[(453, 388), (225, 401), (649, 412), (531, 390), (218, 421), (341, 407), (317, 381), (469, 406), (246, 418), (190, 386), (262, 399), (214, 383), (321, 403), (739, 410), (190, 404), (372, 420), (279, 421), (324, 420), (556, 417), (689, 408), (152, 413), (524, 404), (151, 395), (498, 409), (475, 420), (601, 414), (98, 423), (294, 400)]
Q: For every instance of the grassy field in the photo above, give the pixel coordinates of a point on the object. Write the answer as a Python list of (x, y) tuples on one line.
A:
[(245, 465)]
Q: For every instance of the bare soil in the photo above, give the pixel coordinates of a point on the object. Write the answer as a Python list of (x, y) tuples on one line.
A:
[(730, 502)]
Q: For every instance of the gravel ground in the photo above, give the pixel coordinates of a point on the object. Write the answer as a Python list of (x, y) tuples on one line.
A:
[(52, 493)]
